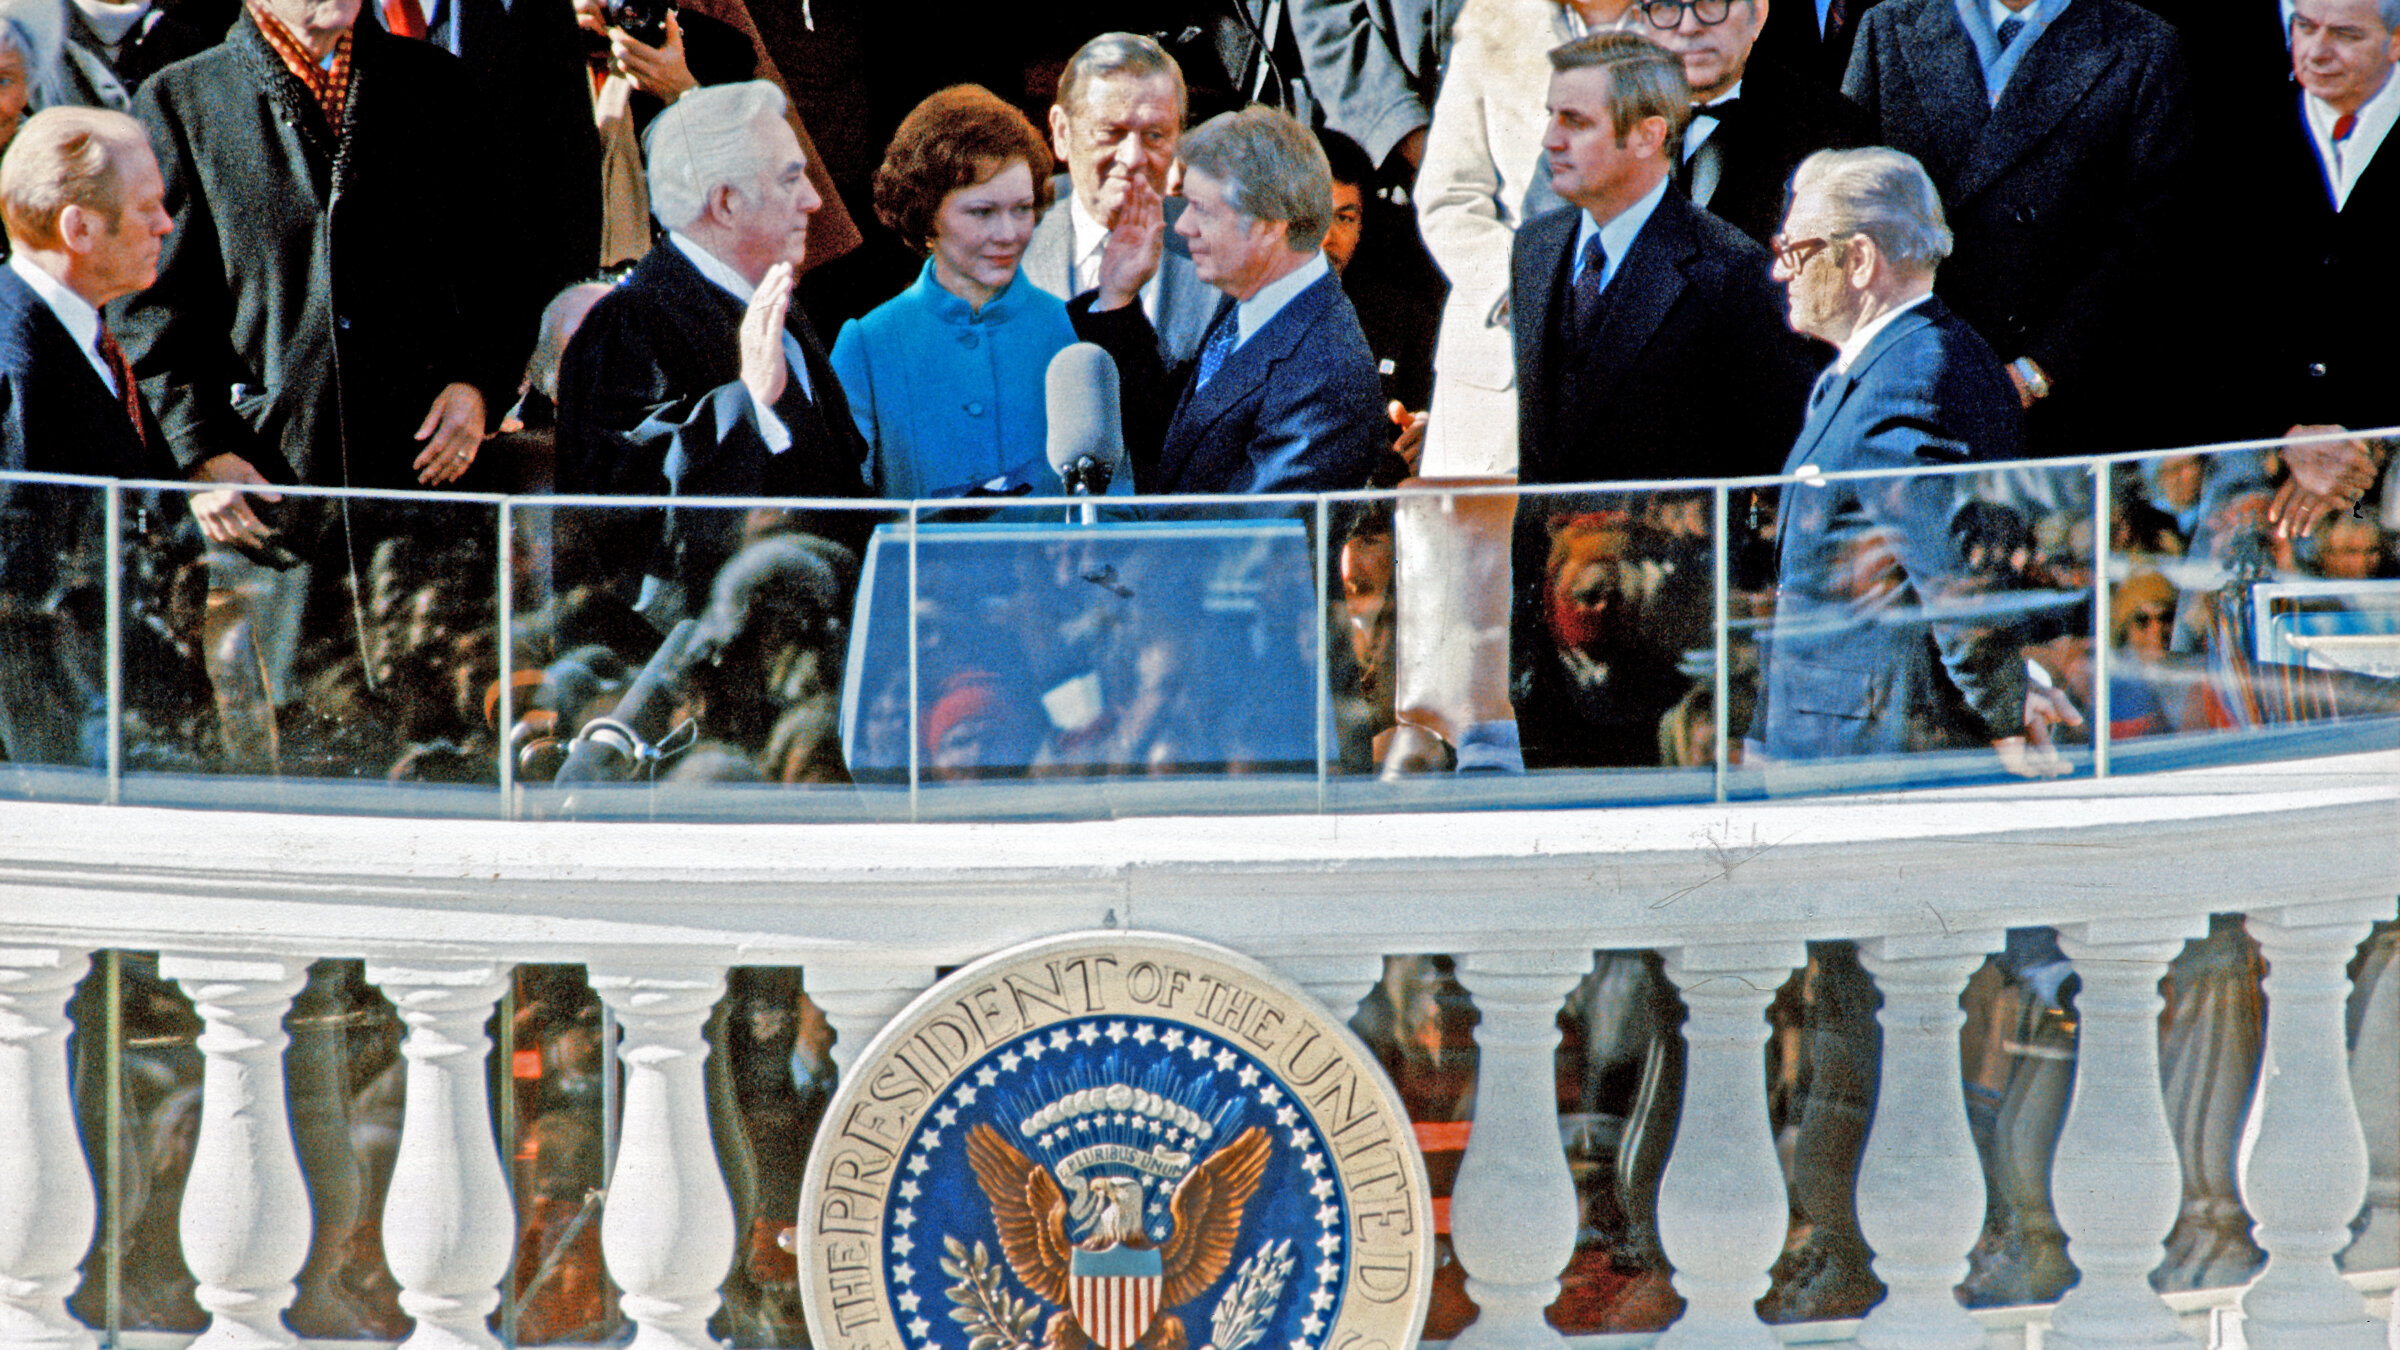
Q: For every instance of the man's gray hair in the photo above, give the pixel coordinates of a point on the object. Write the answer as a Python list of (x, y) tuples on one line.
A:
[(37, 32), (1882, 194), (1272, 169), (1117, 54), (703, 142)]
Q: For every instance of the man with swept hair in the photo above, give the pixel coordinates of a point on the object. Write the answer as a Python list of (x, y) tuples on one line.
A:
[(699, 376), (81, 194)]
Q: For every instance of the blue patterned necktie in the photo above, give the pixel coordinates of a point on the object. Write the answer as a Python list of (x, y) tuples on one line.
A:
[(1219, 346), (2010, 29)]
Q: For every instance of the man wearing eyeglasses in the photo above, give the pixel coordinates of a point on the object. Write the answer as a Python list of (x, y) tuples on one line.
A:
[(2060, 134), (1751, 125)]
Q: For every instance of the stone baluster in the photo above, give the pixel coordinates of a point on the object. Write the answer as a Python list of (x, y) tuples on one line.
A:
[(1338, 982), (668, 1232), (1920, 1185), (859, 1000), (2375, 1081), (245, 1224), (1513, 1211), (2116, 1181), (2304, 1155), (46, 1198), (1723, 1208), (449, 1227)]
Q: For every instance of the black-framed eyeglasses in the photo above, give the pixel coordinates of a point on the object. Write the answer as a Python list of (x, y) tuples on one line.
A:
[(1669, 13), (1793, 254)]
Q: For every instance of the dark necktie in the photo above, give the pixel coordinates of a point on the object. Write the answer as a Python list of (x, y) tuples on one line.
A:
[(114, 355), (404, 18), (2008, 30), (1588, 287), (1218, 347), (1837, 15)]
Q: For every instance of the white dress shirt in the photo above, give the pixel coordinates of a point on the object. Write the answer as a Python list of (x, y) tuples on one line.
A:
[(1704, 122), (770, 427), (1865, 332), (1268, 301), (75, 313), (1088, 237), (1617, 236), (2345, 162)]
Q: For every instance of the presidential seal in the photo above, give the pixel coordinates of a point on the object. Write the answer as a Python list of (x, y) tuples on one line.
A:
[(1115, 1141)]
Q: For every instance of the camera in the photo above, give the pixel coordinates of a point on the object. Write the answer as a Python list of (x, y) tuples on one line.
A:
[(645, 21)]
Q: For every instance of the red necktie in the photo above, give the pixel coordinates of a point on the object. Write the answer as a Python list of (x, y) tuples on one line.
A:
[(2343, 126), (404, 18), (1836, 15), (114, 355)]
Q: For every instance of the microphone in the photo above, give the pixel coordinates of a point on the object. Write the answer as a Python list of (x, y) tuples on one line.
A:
[(1087, 435), (610, 749)]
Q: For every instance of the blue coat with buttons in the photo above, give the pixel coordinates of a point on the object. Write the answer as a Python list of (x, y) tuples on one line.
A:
[(949, 399)]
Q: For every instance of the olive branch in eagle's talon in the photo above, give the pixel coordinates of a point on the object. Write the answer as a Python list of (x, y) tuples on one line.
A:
[(994, 1318)]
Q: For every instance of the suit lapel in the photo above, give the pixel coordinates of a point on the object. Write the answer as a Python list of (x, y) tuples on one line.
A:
[(1643, 290), (115, 451), (1549, 241), (2057, 71), (1048, 260), (1948, 81)]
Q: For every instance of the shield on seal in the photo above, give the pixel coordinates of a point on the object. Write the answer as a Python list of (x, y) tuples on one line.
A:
[(1114, 1293)]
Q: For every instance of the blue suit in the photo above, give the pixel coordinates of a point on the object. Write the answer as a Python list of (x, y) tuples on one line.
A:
[(1882, 642), (1297, 407), (56, 416)]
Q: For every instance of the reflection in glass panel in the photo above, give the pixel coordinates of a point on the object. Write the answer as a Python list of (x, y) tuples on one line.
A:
[(345, 660), (1076, 654), (558, 1073), (1919, 628), (770, 1076), (2234, 634), (686, 682)]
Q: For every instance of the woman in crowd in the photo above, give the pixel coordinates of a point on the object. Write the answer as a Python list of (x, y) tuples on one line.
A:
[(946, 379)]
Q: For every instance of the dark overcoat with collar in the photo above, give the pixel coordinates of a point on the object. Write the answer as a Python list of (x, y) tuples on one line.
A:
[(1783, 119), (1297, 407), (319, 290), (1912, 656), (2063, 198), (651, 403)]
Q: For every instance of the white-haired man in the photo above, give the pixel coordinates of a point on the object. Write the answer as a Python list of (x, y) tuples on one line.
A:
[(699, 376)]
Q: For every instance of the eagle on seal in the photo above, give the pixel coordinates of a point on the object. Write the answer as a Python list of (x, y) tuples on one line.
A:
[(1031, 1214)]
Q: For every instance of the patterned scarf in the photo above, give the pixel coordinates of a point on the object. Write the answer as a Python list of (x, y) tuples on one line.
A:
[(328, 84)]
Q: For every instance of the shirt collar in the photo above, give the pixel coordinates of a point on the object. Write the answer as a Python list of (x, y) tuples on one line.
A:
[(1089, 234), (1617, 236), (1269, 300), (712, 267), (75, 313), (2375, 112), (1855, 345), (954, 311)]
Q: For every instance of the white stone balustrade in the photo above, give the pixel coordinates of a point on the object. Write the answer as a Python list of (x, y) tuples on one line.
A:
[(2116, 1182), (440, 911), (1722, 1204), (668, 1233), (1920, 1186), (245, 1224), (46, 1202), (1513, 1212), (2304, 1156), (449, 1228)]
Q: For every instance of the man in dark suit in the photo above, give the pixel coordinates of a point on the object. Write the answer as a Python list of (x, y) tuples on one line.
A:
[(698, 376), (1913, 386), (2059, 133), (1635, 314), (1848, 670), (1752, 122), (1117, 124), (1283, 396), (82, 198)]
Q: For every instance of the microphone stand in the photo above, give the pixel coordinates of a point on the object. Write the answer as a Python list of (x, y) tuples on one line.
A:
[(1086, 477)]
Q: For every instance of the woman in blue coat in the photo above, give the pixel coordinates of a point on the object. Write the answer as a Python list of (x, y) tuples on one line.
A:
[(946, 379)]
